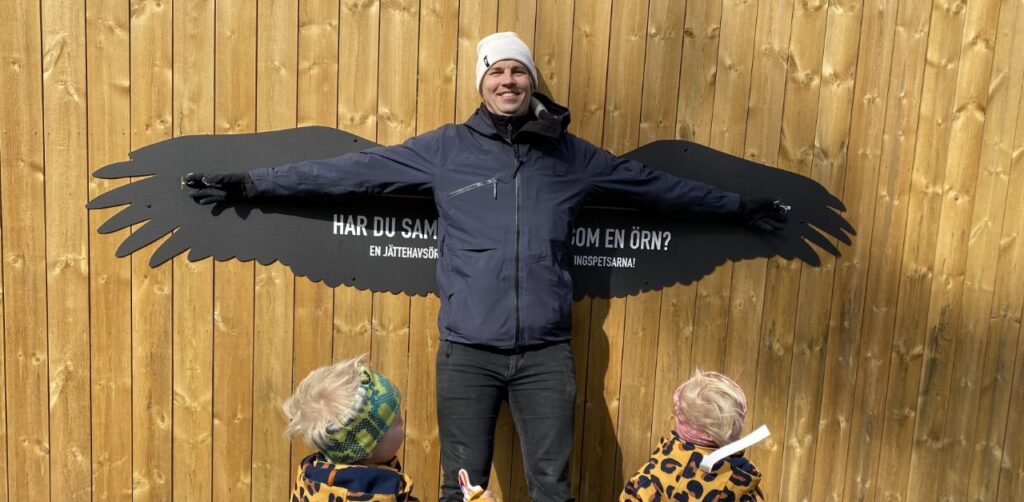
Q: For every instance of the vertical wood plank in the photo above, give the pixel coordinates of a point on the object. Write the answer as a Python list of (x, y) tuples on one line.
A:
[(1006, 325), (553, 47), (24, 253), (601, 402), (273, 334), (866, 150), (358, 48), (662, 61), (755, 290), (580, 352), (399, 50), (698, 73), (109, 277), (764, 117), (799, 123), (318, 90), (866, 119), (590, 35), (879, 351), (971, 412), (942, 61), (586, 100), (622, 110), (626, 48), (358, 55), (435, 106), (639, 360), (477, 19), (947, 354), (396, 111), (192, 428), (277, 307), (924, 204), (233, 296), (67, 285), (830, 166), (151, 28), (1011, 481), (3, 402), (353, 316), (1002, 373), (422, 444), (438, 62), (732, 87), (520, 17), (232, 380), (193, 112), (389, 338)]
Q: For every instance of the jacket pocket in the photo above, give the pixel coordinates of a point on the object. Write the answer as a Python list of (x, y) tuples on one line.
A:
[(546, 298), (492, 183), (480, 304)]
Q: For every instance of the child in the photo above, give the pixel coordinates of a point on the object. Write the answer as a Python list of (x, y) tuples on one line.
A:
[(709, 413), (351, 415)]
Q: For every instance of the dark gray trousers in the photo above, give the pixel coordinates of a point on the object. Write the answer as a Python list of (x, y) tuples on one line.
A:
[(539, 385)]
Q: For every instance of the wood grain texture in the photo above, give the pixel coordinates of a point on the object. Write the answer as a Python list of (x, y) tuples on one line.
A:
[(109, 277), (990, 217), (151, 28), (759, 314), (293, 52), (24, 252), (193, 320), (924, 206), (67, 281), (871, 370), (234, 288), (784, 312)]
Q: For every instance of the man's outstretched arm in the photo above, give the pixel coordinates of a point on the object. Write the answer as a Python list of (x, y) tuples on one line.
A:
[(665, 193), (409, 166)]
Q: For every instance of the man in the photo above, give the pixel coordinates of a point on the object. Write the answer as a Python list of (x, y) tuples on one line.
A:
[(508, 184)]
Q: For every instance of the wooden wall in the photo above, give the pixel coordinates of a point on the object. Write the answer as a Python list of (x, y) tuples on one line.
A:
[(893, 372)]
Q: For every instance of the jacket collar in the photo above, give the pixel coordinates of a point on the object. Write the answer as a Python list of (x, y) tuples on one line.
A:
[(551, 119), (342, 480)]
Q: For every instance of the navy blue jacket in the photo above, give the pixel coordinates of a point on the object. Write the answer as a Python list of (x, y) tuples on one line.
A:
[(506, 212)]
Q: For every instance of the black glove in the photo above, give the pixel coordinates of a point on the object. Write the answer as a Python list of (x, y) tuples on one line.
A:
[(214, 188), (767, 214)]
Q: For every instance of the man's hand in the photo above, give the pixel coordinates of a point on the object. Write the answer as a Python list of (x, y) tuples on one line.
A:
[(767, 214), (214, 188)]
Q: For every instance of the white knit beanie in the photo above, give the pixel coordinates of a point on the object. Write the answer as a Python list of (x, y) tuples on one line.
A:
[(499, 46)]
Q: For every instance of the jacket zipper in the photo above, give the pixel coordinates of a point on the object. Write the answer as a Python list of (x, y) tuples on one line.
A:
[(515, 175), (493, 182)]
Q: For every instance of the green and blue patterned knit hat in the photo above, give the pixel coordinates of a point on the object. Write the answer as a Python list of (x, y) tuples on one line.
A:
[(379, 404)]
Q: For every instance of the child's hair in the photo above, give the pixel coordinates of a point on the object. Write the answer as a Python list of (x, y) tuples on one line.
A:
[(709, 407), (325, 399)]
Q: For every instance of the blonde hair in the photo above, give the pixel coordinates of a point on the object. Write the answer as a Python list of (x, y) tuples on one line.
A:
[(712, 403), (327, 398)]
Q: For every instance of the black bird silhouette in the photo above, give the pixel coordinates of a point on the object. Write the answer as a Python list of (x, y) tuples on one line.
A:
[(618, 250)]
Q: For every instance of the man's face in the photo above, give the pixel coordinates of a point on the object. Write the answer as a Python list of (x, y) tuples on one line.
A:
[(506, 88)]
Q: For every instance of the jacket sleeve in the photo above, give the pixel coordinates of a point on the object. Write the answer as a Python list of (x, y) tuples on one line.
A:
[(632, 181), (409, 166)]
